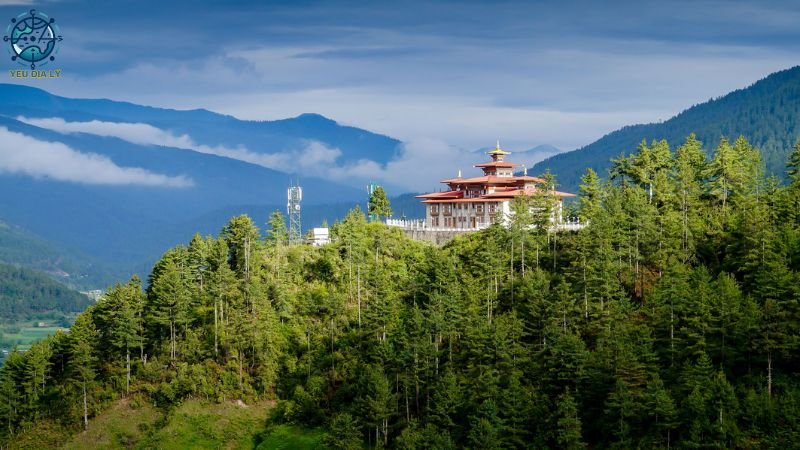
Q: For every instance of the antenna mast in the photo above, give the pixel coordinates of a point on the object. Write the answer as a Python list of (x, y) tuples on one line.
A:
[(294, 194)]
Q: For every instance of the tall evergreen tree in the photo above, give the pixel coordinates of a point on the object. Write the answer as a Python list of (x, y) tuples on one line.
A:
[(379, 203)]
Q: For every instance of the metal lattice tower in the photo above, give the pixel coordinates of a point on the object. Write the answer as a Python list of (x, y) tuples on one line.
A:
[(294, 194)]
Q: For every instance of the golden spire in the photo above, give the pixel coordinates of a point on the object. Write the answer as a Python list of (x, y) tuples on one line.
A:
[(498, 153)]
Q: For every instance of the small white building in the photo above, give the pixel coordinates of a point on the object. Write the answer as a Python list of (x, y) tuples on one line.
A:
[(319, 236)]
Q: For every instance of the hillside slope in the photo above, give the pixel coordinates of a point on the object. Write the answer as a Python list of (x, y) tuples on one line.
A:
[(194, 424), (767, 113), (19, 246), (24, 292)]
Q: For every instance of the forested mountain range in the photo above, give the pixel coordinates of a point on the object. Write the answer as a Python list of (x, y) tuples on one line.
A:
[(671, 320), (767, 113)]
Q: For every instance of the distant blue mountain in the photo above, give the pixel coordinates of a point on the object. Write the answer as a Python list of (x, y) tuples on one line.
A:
[(131, 223), (127, 227), (205, 126)]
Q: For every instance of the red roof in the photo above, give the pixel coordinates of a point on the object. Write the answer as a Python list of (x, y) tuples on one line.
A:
[(497, 164), (464, 200), (443, 195), (531, 179), (517, 192), (504, 188), (498, 195), (486, 179), (492, 179)]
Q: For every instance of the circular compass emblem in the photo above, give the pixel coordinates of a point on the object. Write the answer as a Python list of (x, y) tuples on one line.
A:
[(33, 38)]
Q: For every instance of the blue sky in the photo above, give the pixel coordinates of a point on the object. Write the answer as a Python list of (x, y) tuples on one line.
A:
[(438, 73)]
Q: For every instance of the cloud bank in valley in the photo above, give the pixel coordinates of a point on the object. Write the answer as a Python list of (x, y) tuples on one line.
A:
[(23, 154), (315, 159), (419, 165), (145, 134)]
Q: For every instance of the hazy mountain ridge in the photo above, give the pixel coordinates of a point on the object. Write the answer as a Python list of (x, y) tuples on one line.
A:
[(207, 127), (21, 247)]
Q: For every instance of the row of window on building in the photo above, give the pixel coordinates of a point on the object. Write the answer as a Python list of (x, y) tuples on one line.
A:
[(447, 208), (461, 222)]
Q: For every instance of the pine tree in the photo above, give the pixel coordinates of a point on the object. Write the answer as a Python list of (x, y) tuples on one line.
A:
[(485, 428), (242, 237), (81, 370), (690, 168), (344, 433), (723, 172), (569, 424), (168, 299), (277, 232), (118, 316), (793, 165), (379, 204), (590, 198)]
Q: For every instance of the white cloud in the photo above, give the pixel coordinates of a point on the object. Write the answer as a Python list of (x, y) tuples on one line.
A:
[(420, 165), (417, 168), (22, 154), (144, 134), (312, 158), (315, 159), (138, 133)]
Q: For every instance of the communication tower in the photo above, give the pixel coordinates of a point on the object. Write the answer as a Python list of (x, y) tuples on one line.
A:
[(294, 195)]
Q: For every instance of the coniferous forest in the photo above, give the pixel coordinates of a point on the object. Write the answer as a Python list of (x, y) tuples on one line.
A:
[(671, 320)]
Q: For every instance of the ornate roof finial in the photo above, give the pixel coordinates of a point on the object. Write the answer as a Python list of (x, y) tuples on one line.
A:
[(498, 153)]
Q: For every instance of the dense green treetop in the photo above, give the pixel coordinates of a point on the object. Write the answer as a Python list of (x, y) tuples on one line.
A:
[(379, 203)]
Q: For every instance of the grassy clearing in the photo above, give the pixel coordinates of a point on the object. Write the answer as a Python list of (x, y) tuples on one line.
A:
[(121, 426), (44, 434), (197, 424), (288, 437)]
